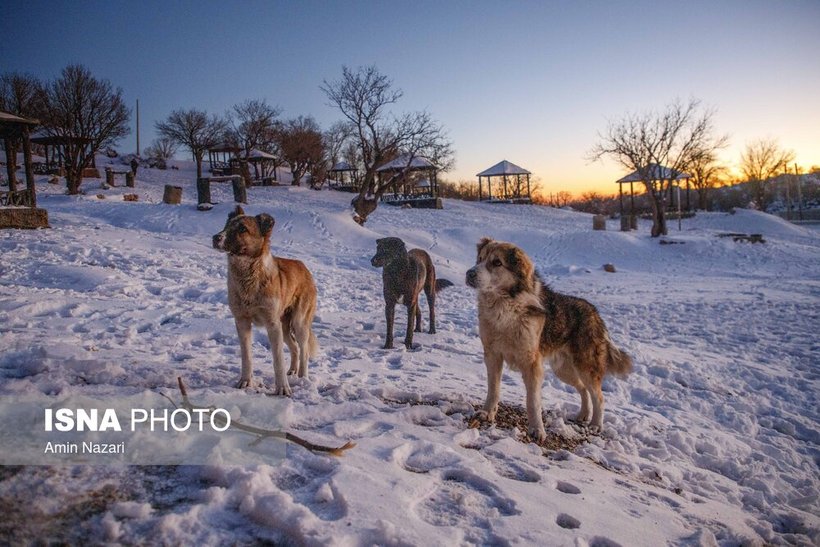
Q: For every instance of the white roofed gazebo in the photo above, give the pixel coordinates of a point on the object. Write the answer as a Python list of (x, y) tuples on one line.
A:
[(514, 189), (407, 172), (654, 172)]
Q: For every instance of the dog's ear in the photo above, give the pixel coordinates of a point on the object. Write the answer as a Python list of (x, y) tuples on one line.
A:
[(236, 213), (481, 244), (265, 222), (520, 264)]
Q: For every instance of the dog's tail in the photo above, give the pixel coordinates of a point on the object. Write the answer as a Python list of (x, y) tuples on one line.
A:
[(442, 283), (618, 363), (313, 345)]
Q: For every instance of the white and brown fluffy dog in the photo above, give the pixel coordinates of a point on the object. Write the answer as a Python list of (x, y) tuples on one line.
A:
[(276, 293), (523, 322)]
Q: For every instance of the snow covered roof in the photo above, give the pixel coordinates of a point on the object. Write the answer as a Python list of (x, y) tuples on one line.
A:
[(254, 153), (7, 117), (401, 162), (223, 147), (503, 167), (656, 172), (423, 183), (343, 166)]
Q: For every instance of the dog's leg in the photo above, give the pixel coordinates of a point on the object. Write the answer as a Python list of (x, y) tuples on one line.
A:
[(276, 345), (418, 317), (303, 341), (495, 365), (243, 330), (290, 341), (583, 414), (597, 407), (293, 348), (430, 292), (389, 315), (412, 307), (533, 378)]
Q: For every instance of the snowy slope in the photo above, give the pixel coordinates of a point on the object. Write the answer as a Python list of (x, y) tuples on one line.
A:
[(713, 439)]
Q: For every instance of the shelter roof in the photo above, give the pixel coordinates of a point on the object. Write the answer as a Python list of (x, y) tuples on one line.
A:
[(656, 172), (343, 166), (418, 163), (503, 168)]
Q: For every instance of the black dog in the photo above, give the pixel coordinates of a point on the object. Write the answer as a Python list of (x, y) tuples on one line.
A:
[(405, 274)]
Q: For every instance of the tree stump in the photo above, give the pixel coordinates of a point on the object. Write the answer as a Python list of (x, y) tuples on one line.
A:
[(109, 177), (599, 222), (633, 222), (172, 195), (240, 194), (23, 217), (626, 223), (129, 179), (203, 190)]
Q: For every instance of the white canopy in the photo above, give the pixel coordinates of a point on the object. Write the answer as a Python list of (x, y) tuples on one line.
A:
[(503, 168), (401, 162), (656, 172)]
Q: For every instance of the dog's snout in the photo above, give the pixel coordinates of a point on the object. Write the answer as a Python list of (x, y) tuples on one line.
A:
[(472, 277), (219, 241)]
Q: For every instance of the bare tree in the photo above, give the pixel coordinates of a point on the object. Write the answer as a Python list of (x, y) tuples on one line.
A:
[(364, 97), (659, 146), (254, 125), (762, 160), (21, 95), (193, 129), (336, 138), (302, 146), (88, 114), (706, 173), (163, 148)]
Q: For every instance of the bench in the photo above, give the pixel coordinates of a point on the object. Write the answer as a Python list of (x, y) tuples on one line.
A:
[(110, 174)]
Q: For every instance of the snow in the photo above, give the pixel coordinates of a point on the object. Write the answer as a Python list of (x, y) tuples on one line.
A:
[(712, 440)]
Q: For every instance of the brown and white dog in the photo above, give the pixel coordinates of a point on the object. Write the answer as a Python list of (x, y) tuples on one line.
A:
[(276, 293), (405, 275), (523, 322)]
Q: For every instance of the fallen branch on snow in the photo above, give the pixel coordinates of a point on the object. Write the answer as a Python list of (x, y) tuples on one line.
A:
[(262, 433)]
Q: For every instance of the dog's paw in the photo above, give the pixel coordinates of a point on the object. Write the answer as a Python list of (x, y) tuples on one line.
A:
[(484, 416), (389, 345), (538, 435), (243, 383), (431, 331), (283, 390)]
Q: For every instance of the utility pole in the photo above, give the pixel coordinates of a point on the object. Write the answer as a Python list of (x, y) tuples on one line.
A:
[(799, 193), (138, 127)]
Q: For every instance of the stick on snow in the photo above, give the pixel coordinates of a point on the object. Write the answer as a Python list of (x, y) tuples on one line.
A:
[(263, 433)]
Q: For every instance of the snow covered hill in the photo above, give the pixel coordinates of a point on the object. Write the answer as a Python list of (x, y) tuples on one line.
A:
[(712, 440)]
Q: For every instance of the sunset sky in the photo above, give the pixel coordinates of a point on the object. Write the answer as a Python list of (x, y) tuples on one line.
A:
[(529, 82)]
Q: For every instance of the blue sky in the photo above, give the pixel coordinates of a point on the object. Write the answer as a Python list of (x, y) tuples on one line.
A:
[(530, 82)]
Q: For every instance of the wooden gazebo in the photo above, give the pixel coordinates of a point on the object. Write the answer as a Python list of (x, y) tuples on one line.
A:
[(54, 151), (220, 155), (20, 209), (656, 173), (264, 166), (407, 172), (345, 177), (514, 189)]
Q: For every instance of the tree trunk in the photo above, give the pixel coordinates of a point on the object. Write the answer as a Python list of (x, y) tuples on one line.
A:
[(658, 214), (11, 167), (198, 158), (73, 180)]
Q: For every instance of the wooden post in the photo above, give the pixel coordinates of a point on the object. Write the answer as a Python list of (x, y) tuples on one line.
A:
[(32, 190), (626, 223), (109, 177), (172, 195), (203, 190), (599, 222), (129, 179), (240, 194), (633, 222)]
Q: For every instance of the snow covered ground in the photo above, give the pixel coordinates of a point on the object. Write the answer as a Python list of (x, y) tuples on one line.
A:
[(712, 440)]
